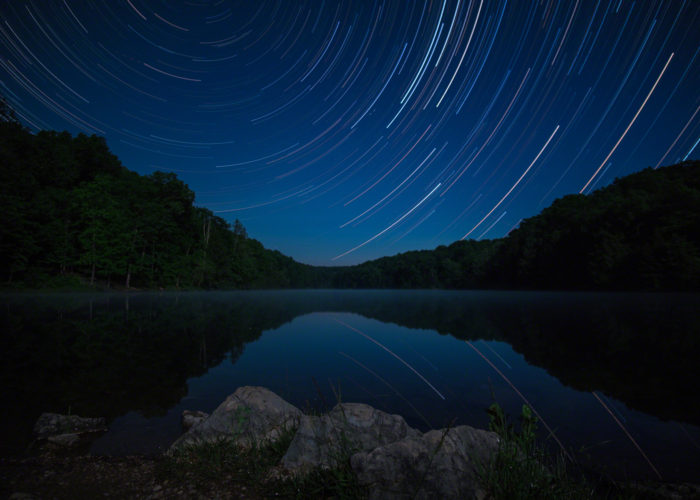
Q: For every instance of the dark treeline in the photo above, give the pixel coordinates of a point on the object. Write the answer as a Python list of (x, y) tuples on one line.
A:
[(640, 232), (463, 264), (71, 211)]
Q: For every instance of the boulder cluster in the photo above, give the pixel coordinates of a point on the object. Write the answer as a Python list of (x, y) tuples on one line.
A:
[(390, 458)]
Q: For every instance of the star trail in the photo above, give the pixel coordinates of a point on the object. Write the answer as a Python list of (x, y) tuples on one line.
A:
[(342, 131)]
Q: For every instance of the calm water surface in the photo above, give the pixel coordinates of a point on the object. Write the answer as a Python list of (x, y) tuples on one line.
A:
[(588, 363)]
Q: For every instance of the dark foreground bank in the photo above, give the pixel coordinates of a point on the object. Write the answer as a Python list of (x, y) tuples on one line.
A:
[(256, 445)]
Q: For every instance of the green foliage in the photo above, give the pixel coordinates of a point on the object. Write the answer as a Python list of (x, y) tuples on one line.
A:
[(70, 208), (339, 482), (522, 469), (524, 439), (7, 114), (223, 460)]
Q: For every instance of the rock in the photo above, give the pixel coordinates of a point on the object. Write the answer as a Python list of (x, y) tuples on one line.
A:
[(191, 418), (52, 424), (68, 431), (665, 491), (251, 415), (348, 428), (390, 458), (65, 440), (438, 464)]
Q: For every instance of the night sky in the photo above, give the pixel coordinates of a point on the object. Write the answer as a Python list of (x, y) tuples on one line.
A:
[(341, 131)]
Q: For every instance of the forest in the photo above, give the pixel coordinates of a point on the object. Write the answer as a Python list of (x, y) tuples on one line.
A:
[(642, 232), (70, 210), (72, 215)]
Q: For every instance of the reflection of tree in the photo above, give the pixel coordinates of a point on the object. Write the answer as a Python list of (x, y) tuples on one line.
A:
[(89, 358), (235, 353), (641, 349), (643, 352), (76, 353)]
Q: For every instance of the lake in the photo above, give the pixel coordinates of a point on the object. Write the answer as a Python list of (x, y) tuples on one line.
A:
[(613, 375)]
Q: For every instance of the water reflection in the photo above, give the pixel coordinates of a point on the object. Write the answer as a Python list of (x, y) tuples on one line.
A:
[(114, 355)]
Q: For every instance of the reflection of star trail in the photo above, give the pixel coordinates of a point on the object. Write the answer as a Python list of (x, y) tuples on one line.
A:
[(393, 354), (507, 380), (320, 124), (406, 400), (629, 436)]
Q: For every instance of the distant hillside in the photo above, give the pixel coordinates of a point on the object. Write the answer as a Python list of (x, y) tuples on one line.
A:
[(640, 232), (463, 264)]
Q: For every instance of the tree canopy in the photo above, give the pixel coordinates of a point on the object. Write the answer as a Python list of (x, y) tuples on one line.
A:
[(69, 207), (640, 232)]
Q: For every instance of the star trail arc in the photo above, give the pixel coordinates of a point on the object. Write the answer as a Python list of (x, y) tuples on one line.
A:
[(343, 131)]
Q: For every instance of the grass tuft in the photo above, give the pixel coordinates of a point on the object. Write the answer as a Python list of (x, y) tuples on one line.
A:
[(523, 469), (209, 465)]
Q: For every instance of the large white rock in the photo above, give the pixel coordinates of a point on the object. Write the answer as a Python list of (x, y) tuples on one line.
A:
[(437, 464), (346, 429), (390, 458), (251, 415)]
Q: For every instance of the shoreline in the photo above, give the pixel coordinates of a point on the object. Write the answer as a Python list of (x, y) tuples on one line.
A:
[(255, 457)]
